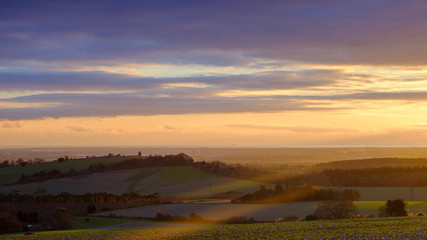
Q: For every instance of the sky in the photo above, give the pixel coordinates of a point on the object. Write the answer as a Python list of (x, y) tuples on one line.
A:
[(213, 73)]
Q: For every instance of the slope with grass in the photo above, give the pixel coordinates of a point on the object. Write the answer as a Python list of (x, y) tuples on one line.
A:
[(260, 212), (12, 174), (168, 181), (386, 228)]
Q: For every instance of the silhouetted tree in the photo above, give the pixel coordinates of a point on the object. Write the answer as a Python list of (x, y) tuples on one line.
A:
[(396, 208), (335, 210), (62, 219)]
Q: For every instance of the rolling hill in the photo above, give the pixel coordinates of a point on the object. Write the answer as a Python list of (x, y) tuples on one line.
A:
[(10, 175), (168, 181)]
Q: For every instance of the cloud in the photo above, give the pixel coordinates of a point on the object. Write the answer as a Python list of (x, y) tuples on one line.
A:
[(78, 129), (101, 105), (168, 127), (11, 125), (215, 33), (297, 129), (102, 81), (222, 33)]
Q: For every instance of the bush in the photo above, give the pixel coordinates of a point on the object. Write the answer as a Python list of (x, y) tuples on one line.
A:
[(62, 219), (91, 208), (8, 223), (311, 217), (239, 220), (393, 208), (336, 210), (162, 217), (292, 218), (195, 218)]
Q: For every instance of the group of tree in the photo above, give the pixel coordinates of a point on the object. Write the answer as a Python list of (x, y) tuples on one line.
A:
[(64, 197), (231, 170), (8, 221), (347, 209), (20, 162), (393, 208), (335, 210), (297, 193), (28, 218)]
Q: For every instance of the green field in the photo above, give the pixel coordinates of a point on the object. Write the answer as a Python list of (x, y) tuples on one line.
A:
[(261, 212), (386, 228), (168, 181), (12, 174)]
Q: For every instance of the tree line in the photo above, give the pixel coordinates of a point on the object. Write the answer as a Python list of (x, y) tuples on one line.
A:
[(282, 194), (383, 176), (65, 197)]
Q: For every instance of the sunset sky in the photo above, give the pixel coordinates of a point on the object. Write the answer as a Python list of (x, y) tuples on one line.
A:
[(213, 73)]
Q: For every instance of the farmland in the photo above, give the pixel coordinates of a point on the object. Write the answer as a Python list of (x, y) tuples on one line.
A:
[(12, 174), (168, 181), (386, 228), (260, 212), (184, 187)]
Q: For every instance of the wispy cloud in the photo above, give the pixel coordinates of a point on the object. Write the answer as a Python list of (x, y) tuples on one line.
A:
[(297, 129), (168, 127), (78, 129), (11, 125)]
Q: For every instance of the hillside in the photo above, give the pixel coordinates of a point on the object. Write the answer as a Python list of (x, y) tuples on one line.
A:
[(176, 180), (10, 175)]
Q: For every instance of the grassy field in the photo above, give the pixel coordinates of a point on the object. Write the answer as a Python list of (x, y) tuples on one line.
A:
[(168, 181), (12, 174), (261, 212), (387, 228)]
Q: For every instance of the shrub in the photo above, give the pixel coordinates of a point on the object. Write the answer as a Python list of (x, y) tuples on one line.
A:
[(62, 219), (91, 208), (396, 208), (162, 217), (292, 218), (195, 218), (311, 217), (239, 220), (382, 212), (335, 210), (104, 209), (8, 223)]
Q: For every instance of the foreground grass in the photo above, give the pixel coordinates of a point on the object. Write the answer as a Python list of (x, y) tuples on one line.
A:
[(261, 212), (385, 228)]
